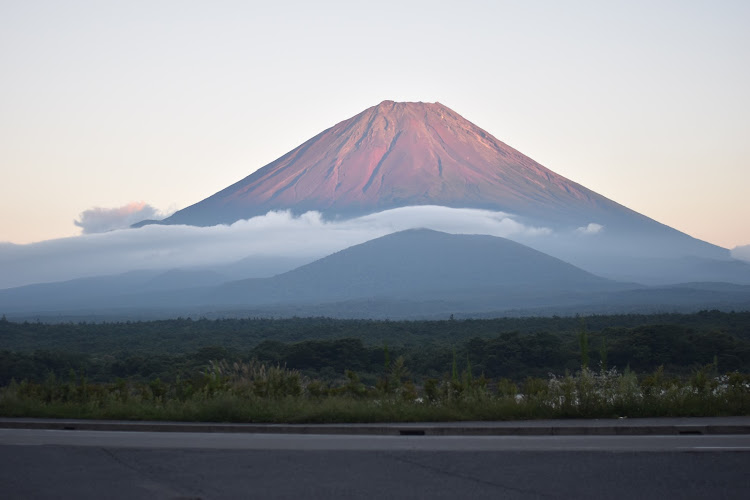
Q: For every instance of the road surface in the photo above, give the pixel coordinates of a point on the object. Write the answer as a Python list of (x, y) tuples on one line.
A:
[(175, 465)]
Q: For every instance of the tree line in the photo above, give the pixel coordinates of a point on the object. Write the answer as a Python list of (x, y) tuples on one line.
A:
[(514, 355)]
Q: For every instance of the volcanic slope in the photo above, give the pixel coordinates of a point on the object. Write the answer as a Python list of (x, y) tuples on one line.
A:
[(400, 154)]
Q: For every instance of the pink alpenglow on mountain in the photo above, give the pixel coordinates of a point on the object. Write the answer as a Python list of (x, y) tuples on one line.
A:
[(400, 154)]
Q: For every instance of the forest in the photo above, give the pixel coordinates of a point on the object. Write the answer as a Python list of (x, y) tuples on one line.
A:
[(513, 348)]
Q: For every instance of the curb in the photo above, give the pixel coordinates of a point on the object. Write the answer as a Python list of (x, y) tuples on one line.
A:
[(418, 429)]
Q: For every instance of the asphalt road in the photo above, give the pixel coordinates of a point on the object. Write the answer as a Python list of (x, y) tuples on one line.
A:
[(94, 464)]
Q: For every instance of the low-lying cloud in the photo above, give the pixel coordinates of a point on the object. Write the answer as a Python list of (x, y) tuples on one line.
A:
[(102, 220), (277, 234)]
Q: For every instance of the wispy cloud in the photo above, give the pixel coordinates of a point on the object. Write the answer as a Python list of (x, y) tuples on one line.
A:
[(591, 228), (277, 234), (741, 253), (101, 220)]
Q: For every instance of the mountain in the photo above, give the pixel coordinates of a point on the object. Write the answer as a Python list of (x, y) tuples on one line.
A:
[(399, 154), (422, 264), (409, 274)]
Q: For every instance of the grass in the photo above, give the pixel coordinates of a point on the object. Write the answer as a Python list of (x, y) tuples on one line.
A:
[(254, 392)]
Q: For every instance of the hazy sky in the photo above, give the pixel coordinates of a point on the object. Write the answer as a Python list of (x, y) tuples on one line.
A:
[(159, 104)]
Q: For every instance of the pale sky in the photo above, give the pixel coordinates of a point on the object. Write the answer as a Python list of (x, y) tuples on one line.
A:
[(103, 104)]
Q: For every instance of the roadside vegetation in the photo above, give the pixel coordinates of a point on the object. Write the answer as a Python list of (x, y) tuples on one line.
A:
[(583, 368), (255, 392)]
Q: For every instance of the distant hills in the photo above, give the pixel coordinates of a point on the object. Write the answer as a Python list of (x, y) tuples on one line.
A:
[(410, 274)]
